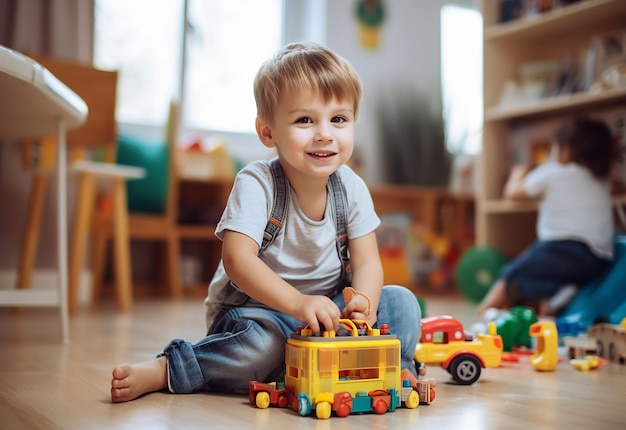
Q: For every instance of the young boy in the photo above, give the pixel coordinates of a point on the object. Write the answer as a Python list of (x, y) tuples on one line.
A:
[(307, 105)]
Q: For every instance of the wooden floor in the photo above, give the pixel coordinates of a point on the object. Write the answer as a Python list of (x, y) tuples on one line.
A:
[(47, 385)]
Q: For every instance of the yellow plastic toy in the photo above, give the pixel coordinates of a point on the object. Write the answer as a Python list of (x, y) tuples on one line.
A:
[(356, 369), (546, 356)]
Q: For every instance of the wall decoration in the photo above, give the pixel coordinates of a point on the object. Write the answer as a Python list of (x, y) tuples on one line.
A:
[(371, 15)]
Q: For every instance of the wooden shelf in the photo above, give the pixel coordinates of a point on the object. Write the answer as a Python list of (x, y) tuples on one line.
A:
[(556, 105), (197, 232), (506, 206), (586, 14), (199, 208)]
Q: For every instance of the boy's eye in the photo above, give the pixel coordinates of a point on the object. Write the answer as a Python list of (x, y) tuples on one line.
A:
[(338, 119), (304, 120)]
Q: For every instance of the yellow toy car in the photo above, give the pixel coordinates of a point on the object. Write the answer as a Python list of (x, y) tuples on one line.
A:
[(444, 342)]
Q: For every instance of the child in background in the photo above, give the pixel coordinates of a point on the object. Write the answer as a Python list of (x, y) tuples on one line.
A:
[(307, 105), (574, 243)]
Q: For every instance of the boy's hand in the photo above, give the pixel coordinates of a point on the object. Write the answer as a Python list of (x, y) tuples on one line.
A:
[(357, 305), (316, 310)]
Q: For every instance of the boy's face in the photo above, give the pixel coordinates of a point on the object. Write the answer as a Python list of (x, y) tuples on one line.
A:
[(313, 137)]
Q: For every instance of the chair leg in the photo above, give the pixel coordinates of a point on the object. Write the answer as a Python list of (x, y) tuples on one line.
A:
[(99, 240), (33, 227), (85, 202), (173, 263), (121, 246)]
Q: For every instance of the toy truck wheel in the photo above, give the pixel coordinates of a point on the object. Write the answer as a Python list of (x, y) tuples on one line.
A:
[(322, 410), (282, 401), (262, 400), (465, 369), (303, 405), (412, 401)]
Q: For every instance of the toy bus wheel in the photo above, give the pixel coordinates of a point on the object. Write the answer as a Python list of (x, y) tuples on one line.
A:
[(343, 404), (465, 369), (412, 401), (304, 405), (282, 401), (379, 406), (262, 400), (322, 410)]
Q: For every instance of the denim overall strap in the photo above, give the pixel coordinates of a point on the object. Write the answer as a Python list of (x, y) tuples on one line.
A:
[(340, 214), (279, 209)]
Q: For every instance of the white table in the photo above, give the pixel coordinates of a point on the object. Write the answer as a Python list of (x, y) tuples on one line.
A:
[(34, 103)]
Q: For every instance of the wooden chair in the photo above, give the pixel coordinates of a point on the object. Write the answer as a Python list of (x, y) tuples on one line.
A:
[(150, 227), (99, 90)]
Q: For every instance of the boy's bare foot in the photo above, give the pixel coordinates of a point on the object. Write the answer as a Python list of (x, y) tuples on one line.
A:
[(133, 380)]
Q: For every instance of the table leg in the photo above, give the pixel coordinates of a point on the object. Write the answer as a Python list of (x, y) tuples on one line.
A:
[(62, 229)]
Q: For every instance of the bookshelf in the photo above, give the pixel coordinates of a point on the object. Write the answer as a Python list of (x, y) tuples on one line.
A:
[(552, 35)]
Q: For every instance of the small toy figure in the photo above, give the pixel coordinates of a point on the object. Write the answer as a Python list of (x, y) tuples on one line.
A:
[(587, 363)]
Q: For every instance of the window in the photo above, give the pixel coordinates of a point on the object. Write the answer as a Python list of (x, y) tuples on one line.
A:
[(209, 67), (462, 77)]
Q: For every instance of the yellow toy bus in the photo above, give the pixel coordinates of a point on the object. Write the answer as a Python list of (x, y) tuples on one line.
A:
[(356, 369)]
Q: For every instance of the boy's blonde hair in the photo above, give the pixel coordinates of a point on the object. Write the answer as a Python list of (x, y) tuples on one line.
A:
[(305, 66)]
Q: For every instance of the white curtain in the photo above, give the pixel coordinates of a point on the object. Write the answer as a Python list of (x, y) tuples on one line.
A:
[(55, 28)]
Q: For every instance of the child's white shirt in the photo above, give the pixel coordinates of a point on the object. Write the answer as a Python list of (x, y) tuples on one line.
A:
[(573, 205)]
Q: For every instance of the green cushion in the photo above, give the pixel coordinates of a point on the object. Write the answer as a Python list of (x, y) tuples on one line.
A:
[(147, 195)]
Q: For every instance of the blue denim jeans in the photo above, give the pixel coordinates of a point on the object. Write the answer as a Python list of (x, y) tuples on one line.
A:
[(547, 266), (248, 344)]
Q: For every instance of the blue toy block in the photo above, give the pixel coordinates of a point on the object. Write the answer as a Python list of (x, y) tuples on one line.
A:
[(604, 300)]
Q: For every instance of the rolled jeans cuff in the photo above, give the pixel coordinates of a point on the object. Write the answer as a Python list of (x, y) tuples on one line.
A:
[(184, 375)]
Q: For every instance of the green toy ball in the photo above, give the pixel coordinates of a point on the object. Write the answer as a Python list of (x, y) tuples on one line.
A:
[(477, 270)]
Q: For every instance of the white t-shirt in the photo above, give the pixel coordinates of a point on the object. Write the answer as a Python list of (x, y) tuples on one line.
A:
[(304, 252), (574, 205)]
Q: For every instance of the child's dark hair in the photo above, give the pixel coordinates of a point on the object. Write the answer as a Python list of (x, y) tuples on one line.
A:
[(590, 143)]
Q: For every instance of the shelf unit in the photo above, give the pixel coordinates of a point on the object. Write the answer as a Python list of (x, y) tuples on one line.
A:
[(199, 208), (440, 211), (553, 35)]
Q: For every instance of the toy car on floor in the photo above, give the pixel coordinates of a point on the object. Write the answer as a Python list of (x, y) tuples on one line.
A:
[(444, 342)]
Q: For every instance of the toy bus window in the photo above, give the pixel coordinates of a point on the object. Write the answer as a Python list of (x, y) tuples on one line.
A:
[(291, 361), (392, 357), (326, 362), (359, 363), (440, 337)]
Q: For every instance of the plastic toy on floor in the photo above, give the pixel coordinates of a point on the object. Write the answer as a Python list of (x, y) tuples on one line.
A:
[(587, 362), (604, 300), (514, 326), (444, 342), (343, 373), (611, 340), (546, 356)]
